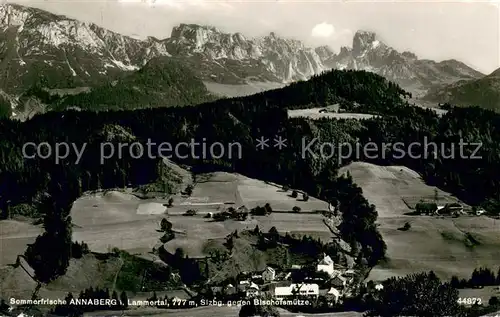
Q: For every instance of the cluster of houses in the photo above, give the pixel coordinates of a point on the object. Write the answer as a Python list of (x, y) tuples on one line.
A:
[(454, 209), (279, 284)]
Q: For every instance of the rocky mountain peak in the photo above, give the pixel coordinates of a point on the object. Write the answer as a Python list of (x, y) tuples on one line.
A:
[(364, 40), (184, 30), (78, 53)]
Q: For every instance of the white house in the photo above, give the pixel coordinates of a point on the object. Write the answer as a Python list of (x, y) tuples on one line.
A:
[(243, 285), (301, 290), (480, 211), (269, 274), (379, 287), (305, 289), (326, 265), (252, 290), (334, 293)]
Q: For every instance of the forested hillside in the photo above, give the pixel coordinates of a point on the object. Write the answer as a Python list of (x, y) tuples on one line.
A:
[(28, 184), (483, 92), (162, 82)]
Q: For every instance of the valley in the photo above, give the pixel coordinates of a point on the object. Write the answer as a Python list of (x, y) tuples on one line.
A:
[(313, 234)]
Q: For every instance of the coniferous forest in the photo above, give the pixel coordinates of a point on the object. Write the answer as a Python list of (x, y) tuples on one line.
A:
[(42, 189)]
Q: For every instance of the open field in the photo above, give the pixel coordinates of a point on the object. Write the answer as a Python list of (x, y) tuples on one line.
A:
[(199, 235), (14, 239), (433, 243), (300, 224), (216, 191), (116, 219), (257, 193), (314, 113), (202, 235), (82, 273)]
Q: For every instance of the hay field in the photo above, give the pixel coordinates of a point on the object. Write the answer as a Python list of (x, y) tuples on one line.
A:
[(202, 235), (432, 243), (299, 224), (197, 234), (220, 190), (394, 190), (254, 193), (14, 239), (115, 219)]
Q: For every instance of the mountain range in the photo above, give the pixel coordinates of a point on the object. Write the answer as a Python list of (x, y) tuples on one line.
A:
[(43, 51)]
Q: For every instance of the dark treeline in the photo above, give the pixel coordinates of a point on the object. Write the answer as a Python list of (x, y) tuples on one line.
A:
[(24, 182), (479, 278)]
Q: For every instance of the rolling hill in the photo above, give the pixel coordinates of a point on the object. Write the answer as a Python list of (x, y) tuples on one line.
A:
[(483, 92)]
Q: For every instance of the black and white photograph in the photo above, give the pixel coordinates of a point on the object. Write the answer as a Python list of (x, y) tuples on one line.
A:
[(249, 158)]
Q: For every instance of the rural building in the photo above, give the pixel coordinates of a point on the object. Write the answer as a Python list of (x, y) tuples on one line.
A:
[(339, 281), (305, 289), (301, 290), (230, 289), (379, 287), (252, 290), (480, 211), (326, 265), (426, 208), (243, 285), (452, 208), (333, 294), (269, 274)]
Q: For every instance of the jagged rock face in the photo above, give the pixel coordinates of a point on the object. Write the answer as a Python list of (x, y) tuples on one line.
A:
[(268, 58), (418, 76), (70, 53), (38, 46)]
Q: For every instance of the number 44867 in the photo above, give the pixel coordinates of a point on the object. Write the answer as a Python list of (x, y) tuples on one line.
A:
[(469, 301)]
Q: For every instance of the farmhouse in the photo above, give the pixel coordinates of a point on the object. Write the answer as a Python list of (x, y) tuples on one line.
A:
[(426, 208), (252, 290), (326, 265), (453, 208), (243, 285), (333, 294), (301, 290), (480, 211), (269, 274)]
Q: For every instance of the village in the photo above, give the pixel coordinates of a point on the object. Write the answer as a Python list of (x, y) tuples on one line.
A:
[(332, 281)]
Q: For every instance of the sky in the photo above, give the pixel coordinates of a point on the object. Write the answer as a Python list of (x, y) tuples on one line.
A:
[(467, 30)]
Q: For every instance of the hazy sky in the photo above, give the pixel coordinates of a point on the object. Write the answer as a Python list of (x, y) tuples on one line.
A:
[(465, 30)]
